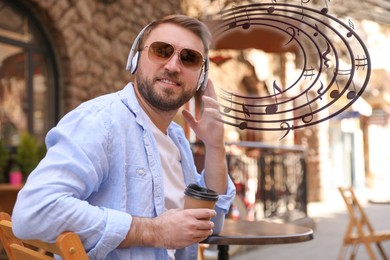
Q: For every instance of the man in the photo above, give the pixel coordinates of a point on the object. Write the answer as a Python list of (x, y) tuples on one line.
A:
[(117, 166)]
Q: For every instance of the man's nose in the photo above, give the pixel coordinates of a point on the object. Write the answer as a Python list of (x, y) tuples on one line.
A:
[(174, 63)]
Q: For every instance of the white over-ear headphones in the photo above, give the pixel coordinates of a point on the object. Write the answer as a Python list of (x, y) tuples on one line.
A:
[(133, 59)]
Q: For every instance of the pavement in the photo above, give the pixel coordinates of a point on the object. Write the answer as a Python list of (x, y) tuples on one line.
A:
[(330, 218)]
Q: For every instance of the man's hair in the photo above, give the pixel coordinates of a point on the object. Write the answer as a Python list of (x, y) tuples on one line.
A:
[(192, 24)]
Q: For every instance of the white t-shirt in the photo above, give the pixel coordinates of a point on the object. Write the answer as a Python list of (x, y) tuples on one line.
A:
[(170, 157)]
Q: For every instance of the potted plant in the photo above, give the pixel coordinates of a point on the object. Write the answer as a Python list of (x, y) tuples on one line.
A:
[(28, 154)]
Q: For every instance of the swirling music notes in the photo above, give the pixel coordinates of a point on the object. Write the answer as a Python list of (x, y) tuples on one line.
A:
[(320, 40)]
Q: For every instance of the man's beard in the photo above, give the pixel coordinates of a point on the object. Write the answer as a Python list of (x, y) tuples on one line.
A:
[(164, 101)]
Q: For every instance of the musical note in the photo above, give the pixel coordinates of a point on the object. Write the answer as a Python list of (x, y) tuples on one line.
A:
[(245, 110), (325, 54), (352, 93), (302, 3), (308, 115), (361, 62), (247, 24), (227, 97), (243, 125), (233, 24), (325, 9), (349, 34), (309, 72), (292, 34), (319, 91), (288, 129), (273, 108), (271, 9), (316, 33), (227, 109), (336, 92)]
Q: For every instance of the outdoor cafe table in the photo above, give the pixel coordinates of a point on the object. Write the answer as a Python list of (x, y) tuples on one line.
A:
[(242, 232)]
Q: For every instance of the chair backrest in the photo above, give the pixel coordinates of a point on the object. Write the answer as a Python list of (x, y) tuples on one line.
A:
[(68, 245), (358, 218)]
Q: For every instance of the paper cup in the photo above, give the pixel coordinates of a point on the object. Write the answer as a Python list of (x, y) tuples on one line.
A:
[(199, 197)]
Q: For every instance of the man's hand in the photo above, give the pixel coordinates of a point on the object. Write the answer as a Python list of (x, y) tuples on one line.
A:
[(173, 229), (181, 228), (209, 128)]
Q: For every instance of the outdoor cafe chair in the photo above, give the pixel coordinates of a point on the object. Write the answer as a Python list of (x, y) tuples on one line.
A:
[(359, 230), (68, 245)]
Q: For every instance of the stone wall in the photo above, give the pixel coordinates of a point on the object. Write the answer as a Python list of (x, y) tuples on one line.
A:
[(92, 39)]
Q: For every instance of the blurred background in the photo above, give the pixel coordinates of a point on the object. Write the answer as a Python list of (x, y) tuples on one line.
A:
[(55, 54)]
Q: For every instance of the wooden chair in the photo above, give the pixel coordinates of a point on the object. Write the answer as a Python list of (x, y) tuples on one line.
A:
[(68, 245), (359, 230)]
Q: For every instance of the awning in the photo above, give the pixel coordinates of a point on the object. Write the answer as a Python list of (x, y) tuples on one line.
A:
[(262, 37)]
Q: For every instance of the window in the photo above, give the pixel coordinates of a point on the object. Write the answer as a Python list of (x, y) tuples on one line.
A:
[(28, 85)]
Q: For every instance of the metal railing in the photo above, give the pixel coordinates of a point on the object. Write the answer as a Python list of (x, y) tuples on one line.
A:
[(270, 180)]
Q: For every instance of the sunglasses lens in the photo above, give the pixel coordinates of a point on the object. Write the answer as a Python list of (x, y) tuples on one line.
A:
[(191, 58), (161, 52)]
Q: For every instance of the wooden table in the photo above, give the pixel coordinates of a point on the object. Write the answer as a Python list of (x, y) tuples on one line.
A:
[(242, 232)]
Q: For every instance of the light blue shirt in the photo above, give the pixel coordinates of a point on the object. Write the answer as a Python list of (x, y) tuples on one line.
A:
[(103, 167)]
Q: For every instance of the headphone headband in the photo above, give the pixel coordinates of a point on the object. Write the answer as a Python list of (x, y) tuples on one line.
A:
[(130, 66)]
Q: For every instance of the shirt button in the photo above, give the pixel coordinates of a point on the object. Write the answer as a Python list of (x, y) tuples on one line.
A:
[(141, 172)]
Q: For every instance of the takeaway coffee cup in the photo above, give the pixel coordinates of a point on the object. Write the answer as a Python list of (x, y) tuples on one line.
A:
[(199, 197)]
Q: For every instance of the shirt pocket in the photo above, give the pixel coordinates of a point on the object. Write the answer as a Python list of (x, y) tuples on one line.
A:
[(139, 190)]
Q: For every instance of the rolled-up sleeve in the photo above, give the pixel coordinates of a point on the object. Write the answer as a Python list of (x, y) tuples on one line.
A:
[(59, 194)]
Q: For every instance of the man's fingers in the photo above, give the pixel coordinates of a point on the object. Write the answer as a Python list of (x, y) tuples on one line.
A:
[(202, 213), (190, 119), (202, 234)]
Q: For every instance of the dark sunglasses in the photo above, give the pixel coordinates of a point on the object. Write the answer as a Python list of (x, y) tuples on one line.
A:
[(160, 52)]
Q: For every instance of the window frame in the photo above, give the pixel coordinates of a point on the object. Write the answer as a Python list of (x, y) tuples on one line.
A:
[(45, 49)]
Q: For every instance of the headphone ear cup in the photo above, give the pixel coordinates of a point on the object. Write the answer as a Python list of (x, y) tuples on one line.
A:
[(134, 63)]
